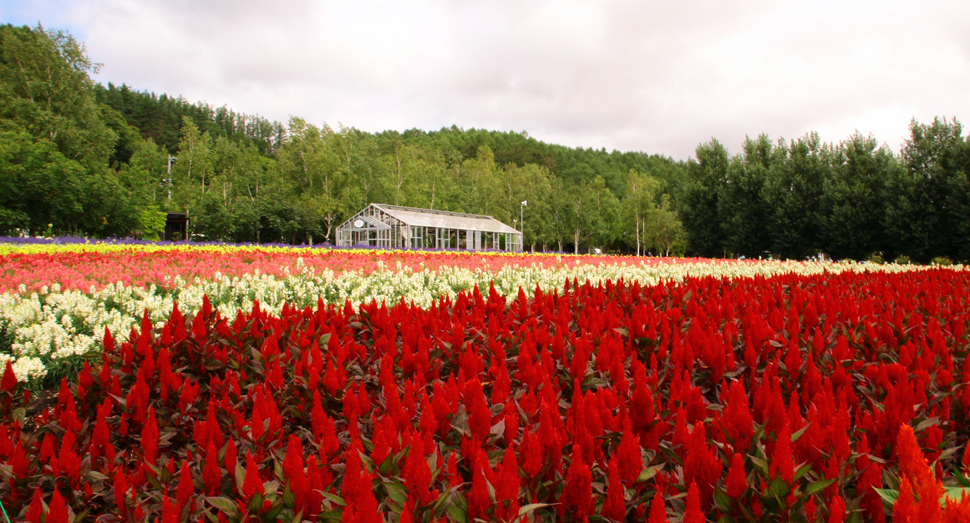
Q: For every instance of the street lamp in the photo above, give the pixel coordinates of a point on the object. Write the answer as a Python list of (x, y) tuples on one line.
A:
[(522, 220)]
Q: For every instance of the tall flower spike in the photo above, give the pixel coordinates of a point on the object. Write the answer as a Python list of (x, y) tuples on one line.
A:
[(36, 509), (252, 484), (836, 510), (737, 479), (577, 495), (912, 465), (693, 513), (9, 381), (57, 511), (615, 506), (904, 509), (658, 514), (211, 473)]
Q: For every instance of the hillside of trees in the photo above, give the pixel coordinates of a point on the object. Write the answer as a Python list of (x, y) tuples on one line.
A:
[(80, 158)]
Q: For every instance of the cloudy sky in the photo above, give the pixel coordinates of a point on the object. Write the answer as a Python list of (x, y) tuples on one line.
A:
[(653, 76)]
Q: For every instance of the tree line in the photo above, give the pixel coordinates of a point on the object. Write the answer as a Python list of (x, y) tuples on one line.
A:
[(127, 157), (851, 200), (85, 159)]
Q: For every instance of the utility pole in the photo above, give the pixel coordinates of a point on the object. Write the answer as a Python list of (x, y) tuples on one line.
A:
[(169, 173)]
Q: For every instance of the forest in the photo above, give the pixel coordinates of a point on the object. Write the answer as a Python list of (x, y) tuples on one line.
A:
[(79, 158)]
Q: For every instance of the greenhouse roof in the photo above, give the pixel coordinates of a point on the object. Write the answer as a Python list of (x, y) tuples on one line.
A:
[(445, 219)]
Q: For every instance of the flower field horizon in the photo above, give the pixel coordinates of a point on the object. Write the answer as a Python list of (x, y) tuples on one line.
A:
[(56, 299), (251, 384)]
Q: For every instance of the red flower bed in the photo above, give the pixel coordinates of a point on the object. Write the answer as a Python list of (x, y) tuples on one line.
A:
[(754, 399), (82, 270)]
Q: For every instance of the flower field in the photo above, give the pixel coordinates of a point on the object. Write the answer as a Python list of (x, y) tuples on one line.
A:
[(57, 300), (696, 391)]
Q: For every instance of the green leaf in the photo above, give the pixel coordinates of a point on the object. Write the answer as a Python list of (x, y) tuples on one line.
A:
[(334, 498), (926, 423), (798, 434), (98, 476), (778, 488), (961, 479), (887, 495), (819, 485), (722, 500), (761, 464), (273, 512), (954, 494), (397, 493), (648, 473), (804, 469), (81, 515), (531, 508), (458, 510), (226, 505), (240, 474)]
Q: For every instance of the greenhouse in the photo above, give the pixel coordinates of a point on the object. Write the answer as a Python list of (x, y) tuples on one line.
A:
[(396, 227)]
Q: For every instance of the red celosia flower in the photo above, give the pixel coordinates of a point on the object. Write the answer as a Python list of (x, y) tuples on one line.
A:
[(693, 513), (905, 509), (293, 459), (701, 464), (57, 511), (511, 415), (36, 509), (615, 505), (315, 485), (9, 381), (170, 511), (736, 419), (657, 512), (185, 488), (479, 416), (211, 473), (912, 465), (381, 439), (252, 483), (737, 479), (836, 510), (871, 477), (120, 490), (577, 494), (47, 448), (406, 512), (781, 462), (331, 381), (69, 419), (531, 454), (149, 438), (507, 489), (641, 408), (275, 375), (68, 461), (957, 511), (417, 473), (629, 456), (478, 499)]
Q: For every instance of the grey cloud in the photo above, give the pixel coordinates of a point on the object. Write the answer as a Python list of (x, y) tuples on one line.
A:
[(652, 76)]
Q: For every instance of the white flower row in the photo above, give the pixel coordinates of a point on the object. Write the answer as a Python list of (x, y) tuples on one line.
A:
[(52, 325)]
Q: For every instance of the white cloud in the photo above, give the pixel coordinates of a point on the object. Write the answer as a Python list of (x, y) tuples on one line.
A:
[(652, 76)]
